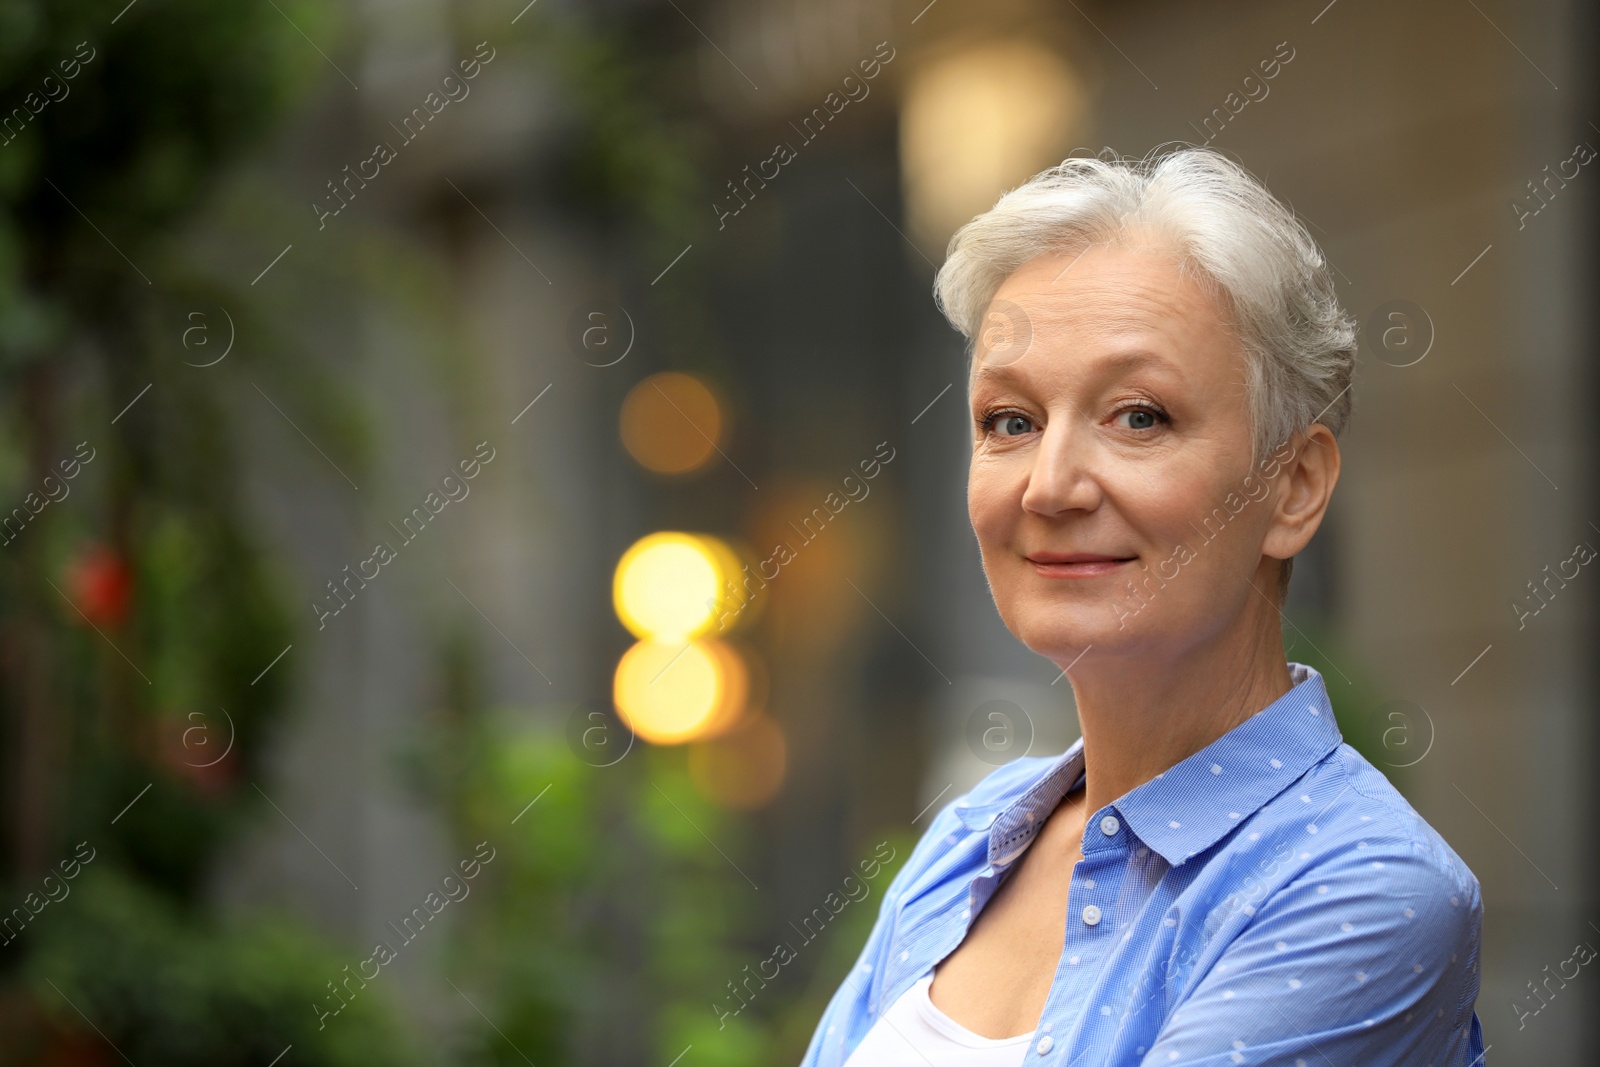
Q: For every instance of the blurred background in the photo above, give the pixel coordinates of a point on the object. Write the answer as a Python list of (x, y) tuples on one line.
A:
[(485, 479)]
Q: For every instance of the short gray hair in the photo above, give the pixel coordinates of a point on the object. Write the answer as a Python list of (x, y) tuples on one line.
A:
[(1232, 235)]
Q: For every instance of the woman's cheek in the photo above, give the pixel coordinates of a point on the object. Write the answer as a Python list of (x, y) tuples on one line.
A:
[(1161, 506), (981, 479), (994, 497), (980, 509), (1183, 494)]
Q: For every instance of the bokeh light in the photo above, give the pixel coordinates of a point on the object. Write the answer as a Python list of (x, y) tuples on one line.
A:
[(979, 121), (672, 692), (743, 767), (670, 585), (671, 423)]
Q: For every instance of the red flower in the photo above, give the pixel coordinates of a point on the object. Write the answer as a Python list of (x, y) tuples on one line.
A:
[(101, 586)]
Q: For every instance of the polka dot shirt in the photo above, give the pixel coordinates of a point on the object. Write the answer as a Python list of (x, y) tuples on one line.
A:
[(1269, 900)]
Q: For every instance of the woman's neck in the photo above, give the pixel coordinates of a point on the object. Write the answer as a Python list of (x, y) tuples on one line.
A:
[(1142, 714)]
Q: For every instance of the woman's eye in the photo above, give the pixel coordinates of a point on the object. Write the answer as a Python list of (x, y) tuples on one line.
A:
[(1012, 425), (1139, 418)]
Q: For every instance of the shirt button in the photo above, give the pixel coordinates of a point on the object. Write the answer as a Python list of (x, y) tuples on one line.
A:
[(1091, 915), (1045, 1044), (1109, 826)]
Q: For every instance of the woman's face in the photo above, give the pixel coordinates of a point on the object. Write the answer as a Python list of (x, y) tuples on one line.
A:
[(1111, 428)]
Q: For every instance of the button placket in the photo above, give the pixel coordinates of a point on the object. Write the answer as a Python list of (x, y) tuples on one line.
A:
[(1082, 884), (1082, 954)]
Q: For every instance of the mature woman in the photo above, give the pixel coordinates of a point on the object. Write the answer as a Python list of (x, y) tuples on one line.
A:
[(1209, 876)]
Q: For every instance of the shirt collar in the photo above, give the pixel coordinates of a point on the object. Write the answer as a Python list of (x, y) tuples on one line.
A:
[(1191, 805)]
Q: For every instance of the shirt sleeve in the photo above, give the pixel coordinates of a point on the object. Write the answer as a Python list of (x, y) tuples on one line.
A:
[(1365, 961)]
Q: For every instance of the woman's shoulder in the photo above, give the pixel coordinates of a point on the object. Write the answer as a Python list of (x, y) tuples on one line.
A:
[(1388, 828), (1338, 903), (1355, 864), (1339, 839), (1379, 890)]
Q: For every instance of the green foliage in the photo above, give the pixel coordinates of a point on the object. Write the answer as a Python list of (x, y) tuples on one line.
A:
[(635, 164), (628, 157), (164, 988), (168, 95), (128, 123), (116, 123), (205, 621), (608, 898), (1387, 736)]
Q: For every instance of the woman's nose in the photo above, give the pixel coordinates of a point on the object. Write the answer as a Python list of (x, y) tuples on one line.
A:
[(1063, 477)]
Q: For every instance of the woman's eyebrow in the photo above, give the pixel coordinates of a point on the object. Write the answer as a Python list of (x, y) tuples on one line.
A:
[(994, 372), (1097, 367)]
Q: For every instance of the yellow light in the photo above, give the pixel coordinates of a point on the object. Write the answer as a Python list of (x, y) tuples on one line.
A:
[(736, 605), (670, 422), (979, 121), (669, 692), (669, 586)]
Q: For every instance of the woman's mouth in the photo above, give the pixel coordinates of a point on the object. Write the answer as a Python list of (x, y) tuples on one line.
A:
[(1076, 564)]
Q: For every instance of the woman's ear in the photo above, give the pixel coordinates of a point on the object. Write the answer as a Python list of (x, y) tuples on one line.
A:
[(1303, 488)]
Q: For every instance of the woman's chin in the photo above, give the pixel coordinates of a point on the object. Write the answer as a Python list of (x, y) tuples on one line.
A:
[(1062, 636)]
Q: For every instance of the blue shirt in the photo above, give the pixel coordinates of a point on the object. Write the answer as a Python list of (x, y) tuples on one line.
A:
[(1269, 900)]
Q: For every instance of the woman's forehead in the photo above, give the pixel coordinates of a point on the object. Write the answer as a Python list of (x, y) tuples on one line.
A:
[(1110, 283), (1112, 307)]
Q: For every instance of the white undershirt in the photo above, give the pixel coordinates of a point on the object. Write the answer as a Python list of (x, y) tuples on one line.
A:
[(914, 1033)]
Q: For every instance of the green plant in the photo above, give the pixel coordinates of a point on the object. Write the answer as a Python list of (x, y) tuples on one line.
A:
[(164, 986), (607, 900), (135, 619), (1388, 734)]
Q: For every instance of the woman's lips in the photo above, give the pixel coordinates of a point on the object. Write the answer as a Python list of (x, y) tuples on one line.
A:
[(1076, 564)]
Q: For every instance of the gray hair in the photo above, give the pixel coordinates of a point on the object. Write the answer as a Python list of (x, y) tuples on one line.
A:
[(1232, 236)]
